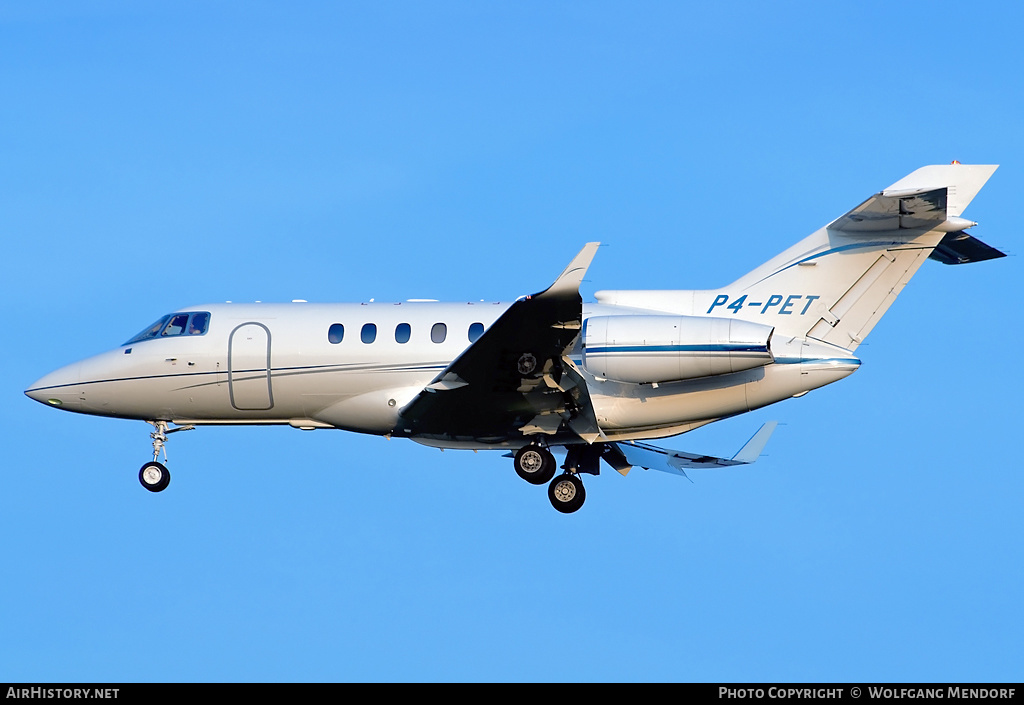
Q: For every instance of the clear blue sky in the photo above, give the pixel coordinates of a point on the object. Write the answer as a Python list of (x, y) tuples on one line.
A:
[(158, 155)]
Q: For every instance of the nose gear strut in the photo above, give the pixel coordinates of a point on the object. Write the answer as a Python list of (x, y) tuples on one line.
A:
[(154, 475)]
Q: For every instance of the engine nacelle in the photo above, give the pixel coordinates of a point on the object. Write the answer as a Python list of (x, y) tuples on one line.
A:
[(642, 349)]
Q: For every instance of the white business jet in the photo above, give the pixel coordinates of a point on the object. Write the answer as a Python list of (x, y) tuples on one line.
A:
[(547, 372)]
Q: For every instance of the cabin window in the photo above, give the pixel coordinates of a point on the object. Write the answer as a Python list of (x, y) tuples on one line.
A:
[(403, 331), (336, 333), (369, 333), (438, 332), (475, 331)]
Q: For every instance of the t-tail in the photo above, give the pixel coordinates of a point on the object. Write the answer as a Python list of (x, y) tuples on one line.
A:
[(834, 285)]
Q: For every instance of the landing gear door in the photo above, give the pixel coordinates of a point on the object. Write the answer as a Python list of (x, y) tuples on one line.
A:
[(249, 368)]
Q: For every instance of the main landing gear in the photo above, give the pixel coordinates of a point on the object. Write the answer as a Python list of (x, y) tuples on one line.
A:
[(154, 475), (535, 464), (566, 493)]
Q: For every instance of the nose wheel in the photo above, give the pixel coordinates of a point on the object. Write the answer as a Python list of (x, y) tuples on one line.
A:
[(154, 475)]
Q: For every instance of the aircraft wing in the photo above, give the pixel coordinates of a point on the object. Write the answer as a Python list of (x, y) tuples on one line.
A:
[(677, 462), (516, 379)]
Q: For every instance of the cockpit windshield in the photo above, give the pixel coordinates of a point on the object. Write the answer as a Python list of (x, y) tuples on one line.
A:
[(175, 324)]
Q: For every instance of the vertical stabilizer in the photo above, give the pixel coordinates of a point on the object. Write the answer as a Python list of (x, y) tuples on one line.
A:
[(834, 285)]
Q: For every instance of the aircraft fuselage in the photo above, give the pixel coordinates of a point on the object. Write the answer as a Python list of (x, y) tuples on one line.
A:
[(316, 366)]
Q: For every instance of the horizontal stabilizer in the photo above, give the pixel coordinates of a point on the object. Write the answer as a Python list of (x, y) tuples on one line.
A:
[(677, 462), (961, 248), (923, 200), (900, 210)]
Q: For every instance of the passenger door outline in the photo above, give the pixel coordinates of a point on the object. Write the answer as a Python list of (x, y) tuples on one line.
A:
[(249, 384)]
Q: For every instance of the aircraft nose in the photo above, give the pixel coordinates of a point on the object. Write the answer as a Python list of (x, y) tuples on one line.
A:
[(58, 389)]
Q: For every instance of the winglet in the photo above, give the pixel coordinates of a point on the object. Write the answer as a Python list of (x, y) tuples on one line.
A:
[(677, 462), (752, 450), (569, 280)]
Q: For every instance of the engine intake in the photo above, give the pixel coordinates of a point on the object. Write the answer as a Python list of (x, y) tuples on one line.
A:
[(645, 349)]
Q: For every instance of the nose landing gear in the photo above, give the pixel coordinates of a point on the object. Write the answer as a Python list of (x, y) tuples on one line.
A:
[(154, 475)]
